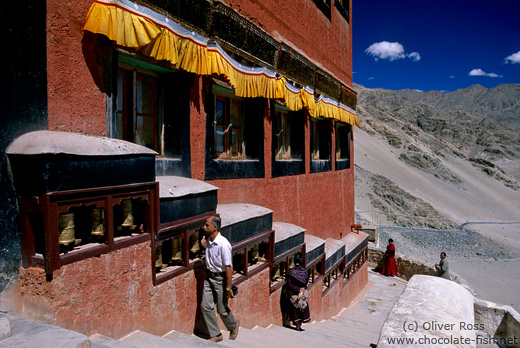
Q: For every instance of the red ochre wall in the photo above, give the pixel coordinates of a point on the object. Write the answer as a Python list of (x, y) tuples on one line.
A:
[(301, 25), (76, 82), (113, 295), (114, 292), (322, 203)]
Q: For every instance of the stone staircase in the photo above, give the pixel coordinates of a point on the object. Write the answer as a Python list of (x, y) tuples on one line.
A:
[(355, 326)]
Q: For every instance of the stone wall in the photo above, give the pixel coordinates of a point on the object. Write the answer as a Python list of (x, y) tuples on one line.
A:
[(442, 320), (408, 267), (113, 295)]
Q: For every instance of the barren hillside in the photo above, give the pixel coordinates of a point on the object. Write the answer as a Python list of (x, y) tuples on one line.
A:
[(443, 160)]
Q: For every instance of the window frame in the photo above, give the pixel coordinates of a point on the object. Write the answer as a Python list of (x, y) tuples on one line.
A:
[(343, 135), (284, 259), (240, 251), (316, 266), (40, 215), (333, 275), (182, 229), (227, 97), (324, 6), (283, 148), (355, 264), (320, 138), (129, 104), (173, 124), (342, 9)]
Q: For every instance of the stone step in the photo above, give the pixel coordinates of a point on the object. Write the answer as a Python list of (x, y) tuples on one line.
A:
[(28, 333), (143, 339), (245, 338), (258, 338), (185, 340), (316, 335), (347, 339), (343, 332), (5, 328), (100, 341), (303, 338)]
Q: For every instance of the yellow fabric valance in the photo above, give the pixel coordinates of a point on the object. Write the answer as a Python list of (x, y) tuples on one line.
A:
[(138, 27), (290, 95), (329, 108)]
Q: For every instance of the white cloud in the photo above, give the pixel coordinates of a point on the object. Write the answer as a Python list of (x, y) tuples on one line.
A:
[(371, 78), (514, 58), (477, 72), (480, 72), (415, 56), (391, 51)]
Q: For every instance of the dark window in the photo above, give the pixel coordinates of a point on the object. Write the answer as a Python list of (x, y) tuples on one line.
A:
[(343, 132), (343, 7), (228, 128), (321, 145), (320, 137), (324, 6), (150, 106), (282, 132), (288, 142), (138, 108), (234, 134), (288, 135)]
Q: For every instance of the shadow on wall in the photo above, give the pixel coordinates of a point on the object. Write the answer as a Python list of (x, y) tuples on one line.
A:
[(10, 249)]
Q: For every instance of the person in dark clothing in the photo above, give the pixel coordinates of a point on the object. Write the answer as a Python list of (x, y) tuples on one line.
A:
[(297, 280)]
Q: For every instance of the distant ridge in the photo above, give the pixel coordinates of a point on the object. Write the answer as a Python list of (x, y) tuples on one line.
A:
[(426, 133), (481, 122)]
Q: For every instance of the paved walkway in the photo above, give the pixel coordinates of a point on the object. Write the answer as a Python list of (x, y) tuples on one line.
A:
[(365, 316), (356, 326)]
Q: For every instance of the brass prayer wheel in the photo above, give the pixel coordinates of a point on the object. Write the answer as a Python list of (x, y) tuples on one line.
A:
[(128, 217), (158, 257), (291, 262), (98, 222), (194, 242), (176, 249), (253, 254), (275, 272), (66, 231)]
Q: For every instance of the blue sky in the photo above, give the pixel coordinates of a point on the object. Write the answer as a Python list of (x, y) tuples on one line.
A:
[(431, 45)]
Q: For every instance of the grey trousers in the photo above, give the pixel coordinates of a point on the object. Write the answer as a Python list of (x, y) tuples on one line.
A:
[(214, 293)]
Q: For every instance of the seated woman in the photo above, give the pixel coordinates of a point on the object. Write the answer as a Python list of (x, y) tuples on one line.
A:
[(389, 267), (297, 287)]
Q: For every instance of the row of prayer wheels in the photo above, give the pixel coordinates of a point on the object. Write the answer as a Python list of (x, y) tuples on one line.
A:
[(194, 248), (278, 270), (176, 246), (66, 225)]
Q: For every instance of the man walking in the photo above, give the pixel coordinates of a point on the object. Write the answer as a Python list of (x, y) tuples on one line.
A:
[(443, 268), (217, 285)]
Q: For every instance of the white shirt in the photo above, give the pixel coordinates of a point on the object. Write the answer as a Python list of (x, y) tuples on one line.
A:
[(218, 254)]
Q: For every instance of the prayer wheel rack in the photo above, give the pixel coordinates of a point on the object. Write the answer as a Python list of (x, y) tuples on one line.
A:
[(40, 215)]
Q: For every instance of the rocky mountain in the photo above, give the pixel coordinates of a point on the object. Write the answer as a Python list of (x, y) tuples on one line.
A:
[(434, 135)]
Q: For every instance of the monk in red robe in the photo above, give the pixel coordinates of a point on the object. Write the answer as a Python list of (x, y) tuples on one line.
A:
[(389, 268)]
